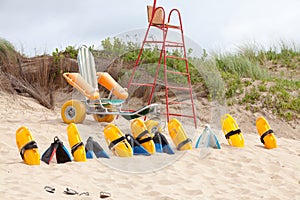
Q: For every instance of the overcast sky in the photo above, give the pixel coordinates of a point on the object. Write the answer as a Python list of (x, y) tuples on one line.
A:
[(38, 26)]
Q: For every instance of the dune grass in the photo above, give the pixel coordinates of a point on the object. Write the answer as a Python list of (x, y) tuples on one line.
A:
[(253, 76), (250, 76), (7, 52)]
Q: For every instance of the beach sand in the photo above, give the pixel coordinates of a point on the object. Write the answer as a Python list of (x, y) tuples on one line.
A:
[(252, 172)]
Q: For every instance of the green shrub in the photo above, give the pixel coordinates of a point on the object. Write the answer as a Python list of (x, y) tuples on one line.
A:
[(262, 88), (252, 96)]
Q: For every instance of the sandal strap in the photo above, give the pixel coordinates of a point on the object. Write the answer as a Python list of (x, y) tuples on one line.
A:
[(181, 144), (30, 145), (70, 191), (104, 195), (75, 147), (49, 189), (265, 134), (141, 141), (231, 133), (142, 134), (115, 142), (84, 193)]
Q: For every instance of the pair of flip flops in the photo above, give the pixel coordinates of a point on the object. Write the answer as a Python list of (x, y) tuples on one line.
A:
[(70, 191), (66, 191)]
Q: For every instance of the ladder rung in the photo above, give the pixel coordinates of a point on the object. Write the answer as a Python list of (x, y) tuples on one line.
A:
[(174, 45), (180, 115), (168, 43), (174, 72), (173, 26), (172, 42), (178, 88), (143, 84), (162, 26), (176, 57), (155, 42), (177, 103)]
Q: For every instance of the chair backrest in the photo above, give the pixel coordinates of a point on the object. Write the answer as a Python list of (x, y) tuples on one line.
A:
[(157, 18), (87, 67)]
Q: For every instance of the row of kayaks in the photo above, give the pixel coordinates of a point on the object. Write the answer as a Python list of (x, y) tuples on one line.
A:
[(30, 154), (146, 139)]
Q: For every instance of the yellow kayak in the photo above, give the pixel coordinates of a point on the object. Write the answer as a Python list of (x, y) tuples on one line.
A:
[(117, 142), (178, 135), (232, 132), (27, 146), (76, 145), (267, 136), (141, 134)]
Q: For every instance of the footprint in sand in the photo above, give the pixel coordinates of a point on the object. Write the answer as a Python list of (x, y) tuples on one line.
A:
[(153, 193), (193, 192), (164, 182), (257, 169), (124, 185)]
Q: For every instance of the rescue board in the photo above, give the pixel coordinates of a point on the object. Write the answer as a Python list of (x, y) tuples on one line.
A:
[(267, 136)]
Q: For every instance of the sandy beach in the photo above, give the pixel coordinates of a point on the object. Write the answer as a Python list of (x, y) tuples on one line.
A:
[(252, 172)]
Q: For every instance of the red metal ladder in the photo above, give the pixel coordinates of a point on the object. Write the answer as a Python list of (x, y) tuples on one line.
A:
[(156, 18)]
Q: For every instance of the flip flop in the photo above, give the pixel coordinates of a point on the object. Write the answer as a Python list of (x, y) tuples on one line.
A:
[(104, 195), (70, 191), (49, 189), (84, 193)]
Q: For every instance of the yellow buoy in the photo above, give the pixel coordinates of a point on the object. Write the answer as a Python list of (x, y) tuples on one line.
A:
[(117, 142), (27, 146), (267, 136), (141, 134), (76, 144), (178, 135), (232, 132)]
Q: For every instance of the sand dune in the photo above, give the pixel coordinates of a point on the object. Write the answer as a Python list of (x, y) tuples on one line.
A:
[(252, 172)]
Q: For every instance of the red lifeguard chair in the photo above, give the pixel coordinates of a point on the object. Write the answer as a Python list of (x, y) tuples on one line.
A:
[(156, 19)]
